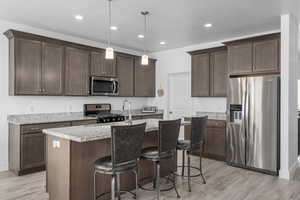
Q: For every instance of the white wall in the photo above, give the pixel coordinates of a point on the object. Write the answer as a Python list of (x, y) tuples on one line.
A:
[(20, 105), (178, 60), (289, 77)]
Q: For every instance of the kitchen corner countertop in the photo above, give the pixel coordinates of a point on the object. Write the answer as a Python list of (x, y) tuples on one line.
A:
[(211, 115), (93, 132), (63, 117)]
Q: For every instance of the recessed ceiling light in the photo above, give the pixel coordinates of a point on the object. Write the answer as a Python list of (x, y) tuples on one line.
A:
[(207, 25), (141, 36), (78, 17), (114, 28), (162, 43)]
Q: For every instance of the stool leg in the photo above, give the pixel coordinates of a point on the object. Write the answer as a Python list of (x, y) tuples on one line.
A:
[(155, 174), (113, 182), (201, 172), (183, 163), (158, 180), (189, 171), (136, 183), (174, 182), (95, 195), (118, 187)]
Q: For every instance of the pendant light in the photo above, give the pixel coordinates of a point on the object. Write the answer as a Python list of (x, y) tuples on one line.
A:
[(109, 51), (145, 58)]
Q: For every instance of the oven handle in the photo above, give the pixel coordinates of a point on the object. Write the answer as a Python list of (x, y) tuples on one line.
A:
[(114, 87)]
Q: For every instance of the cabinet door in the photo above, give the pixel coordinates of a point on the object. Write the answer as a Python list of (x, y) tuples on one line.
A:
[(240, 58), (77, 72), (266, 55), (52, 70), (200, 75), (101, 66), (219, 74), (125, 73), (215, 142), (32, 150), (28, 67), (144, 79)]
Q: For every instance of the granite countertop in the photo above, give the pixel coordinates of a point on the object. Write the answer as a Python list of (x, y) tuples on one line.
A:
[(211, 115), (62, 117), (92, 132)]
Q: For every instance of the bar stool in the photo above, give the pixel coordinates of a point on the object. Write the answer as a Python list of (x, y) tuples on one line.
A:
[(195, 143), (126, 148), (168, 136)]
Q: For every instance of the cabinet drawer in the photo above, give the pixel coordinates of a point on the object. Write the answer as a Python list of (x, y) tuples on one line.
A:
[(216, 123), (154, 116), (39, 127), (84, 122)]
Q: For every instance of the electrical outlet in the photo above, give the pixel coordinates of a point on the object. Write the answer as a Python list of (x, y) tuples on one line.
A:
[(55, 144)]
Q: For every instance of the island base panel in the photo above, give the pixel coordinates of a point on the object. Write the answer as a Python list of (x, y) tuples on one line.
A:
[(70, 168)]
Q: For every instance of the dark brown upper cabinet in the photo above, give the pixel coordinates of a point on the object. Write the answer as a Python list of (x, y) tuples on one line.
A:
[(240, 58), (52, 69), (36, 67), (40, 65), (266, 55), (200, 75), (209, 72), (251, 56), (125, 74), (144, 77), (219, 74), (26, 65), (77, 72), (101, 66)]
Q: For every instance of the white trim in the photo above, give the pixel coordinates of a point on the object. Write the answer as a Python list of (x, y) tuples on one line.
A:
[(290, 173)]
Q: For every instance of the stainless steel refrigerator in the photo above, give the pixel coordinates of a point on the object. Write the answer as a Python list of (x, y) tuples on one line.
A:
[(252, 135)]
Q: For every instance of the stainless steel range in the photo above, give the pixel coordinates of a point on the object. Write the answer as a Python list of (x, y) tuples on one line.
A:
[(102, 112)]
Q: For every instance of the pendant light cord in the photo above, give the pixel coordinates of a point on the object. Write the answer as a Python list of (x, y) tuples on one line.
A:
[(145, 32), (109, 22)]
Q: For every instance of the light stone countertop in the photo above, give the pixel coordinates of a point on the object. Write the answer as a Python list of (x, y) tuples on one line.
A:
[(212, 115), (62, 117), (93, 132)]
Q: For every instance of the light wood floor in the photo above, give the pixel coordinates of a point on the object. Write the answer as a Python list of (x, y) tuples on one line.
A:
[(223, 183)]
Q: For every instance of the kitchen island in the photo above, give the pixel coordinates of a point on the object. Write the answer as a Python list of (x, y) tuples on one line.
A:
[(71, 152)]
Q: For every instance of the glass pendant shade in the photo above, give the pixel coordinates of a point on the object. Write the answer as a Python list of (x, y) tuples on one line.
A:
[(145, 60), (109, 53)]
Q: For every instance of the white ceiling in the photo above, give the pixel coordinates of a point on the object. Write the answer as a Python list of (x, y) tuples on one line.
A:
[(178, 22)]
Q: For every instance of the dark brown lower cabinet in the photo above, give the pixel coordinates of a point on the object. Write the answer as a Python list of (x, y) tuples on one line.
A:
[(27, 143), (33, 150), (214, 139)]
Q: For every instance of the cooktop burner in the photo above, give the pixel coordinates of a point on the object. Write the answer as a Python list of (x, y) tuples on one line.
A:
[(103, 113)]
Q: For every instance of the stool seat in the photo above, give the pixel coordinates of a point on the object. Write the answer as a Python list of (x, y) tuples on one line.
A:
[(184, 144), (152, 153), (105, 165)]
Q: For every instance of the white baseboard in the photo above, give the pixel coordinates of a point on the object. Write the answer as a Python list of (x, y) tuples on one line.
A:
[(289, 174)]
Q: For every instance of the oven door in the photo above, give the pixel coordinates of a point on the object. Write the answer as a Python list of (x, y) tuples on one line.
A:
[(104, 86)]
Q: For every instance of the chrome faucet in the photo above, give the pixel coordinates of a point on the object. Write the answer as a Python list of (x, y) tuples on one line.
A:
[(129, 109)]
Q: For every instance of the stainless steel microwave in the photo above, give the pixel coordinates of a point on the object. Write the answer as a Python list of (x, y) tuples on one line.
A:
[(101, 86)]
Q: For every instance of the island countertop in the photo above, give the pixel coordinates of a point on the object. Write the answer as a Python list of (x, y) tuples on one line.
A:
[(66, 116), (92, 132)]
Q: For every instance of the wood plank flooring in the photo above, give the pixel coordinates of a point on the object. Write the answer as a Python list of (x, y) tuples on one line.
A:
[(223, 183)]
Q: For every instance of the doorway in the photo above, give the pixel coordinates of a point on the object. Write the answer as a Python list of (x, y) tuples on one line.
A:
[(179, 97)]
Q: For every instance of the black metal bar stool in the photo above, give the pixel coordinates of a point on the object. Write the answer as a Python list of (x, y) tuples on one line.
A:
[(195, 143), (126, 148), (168, 137)]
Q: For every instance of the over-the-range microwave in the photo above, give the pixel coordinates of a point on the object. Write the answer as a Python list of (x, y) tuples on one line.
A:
[(101, 86)]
